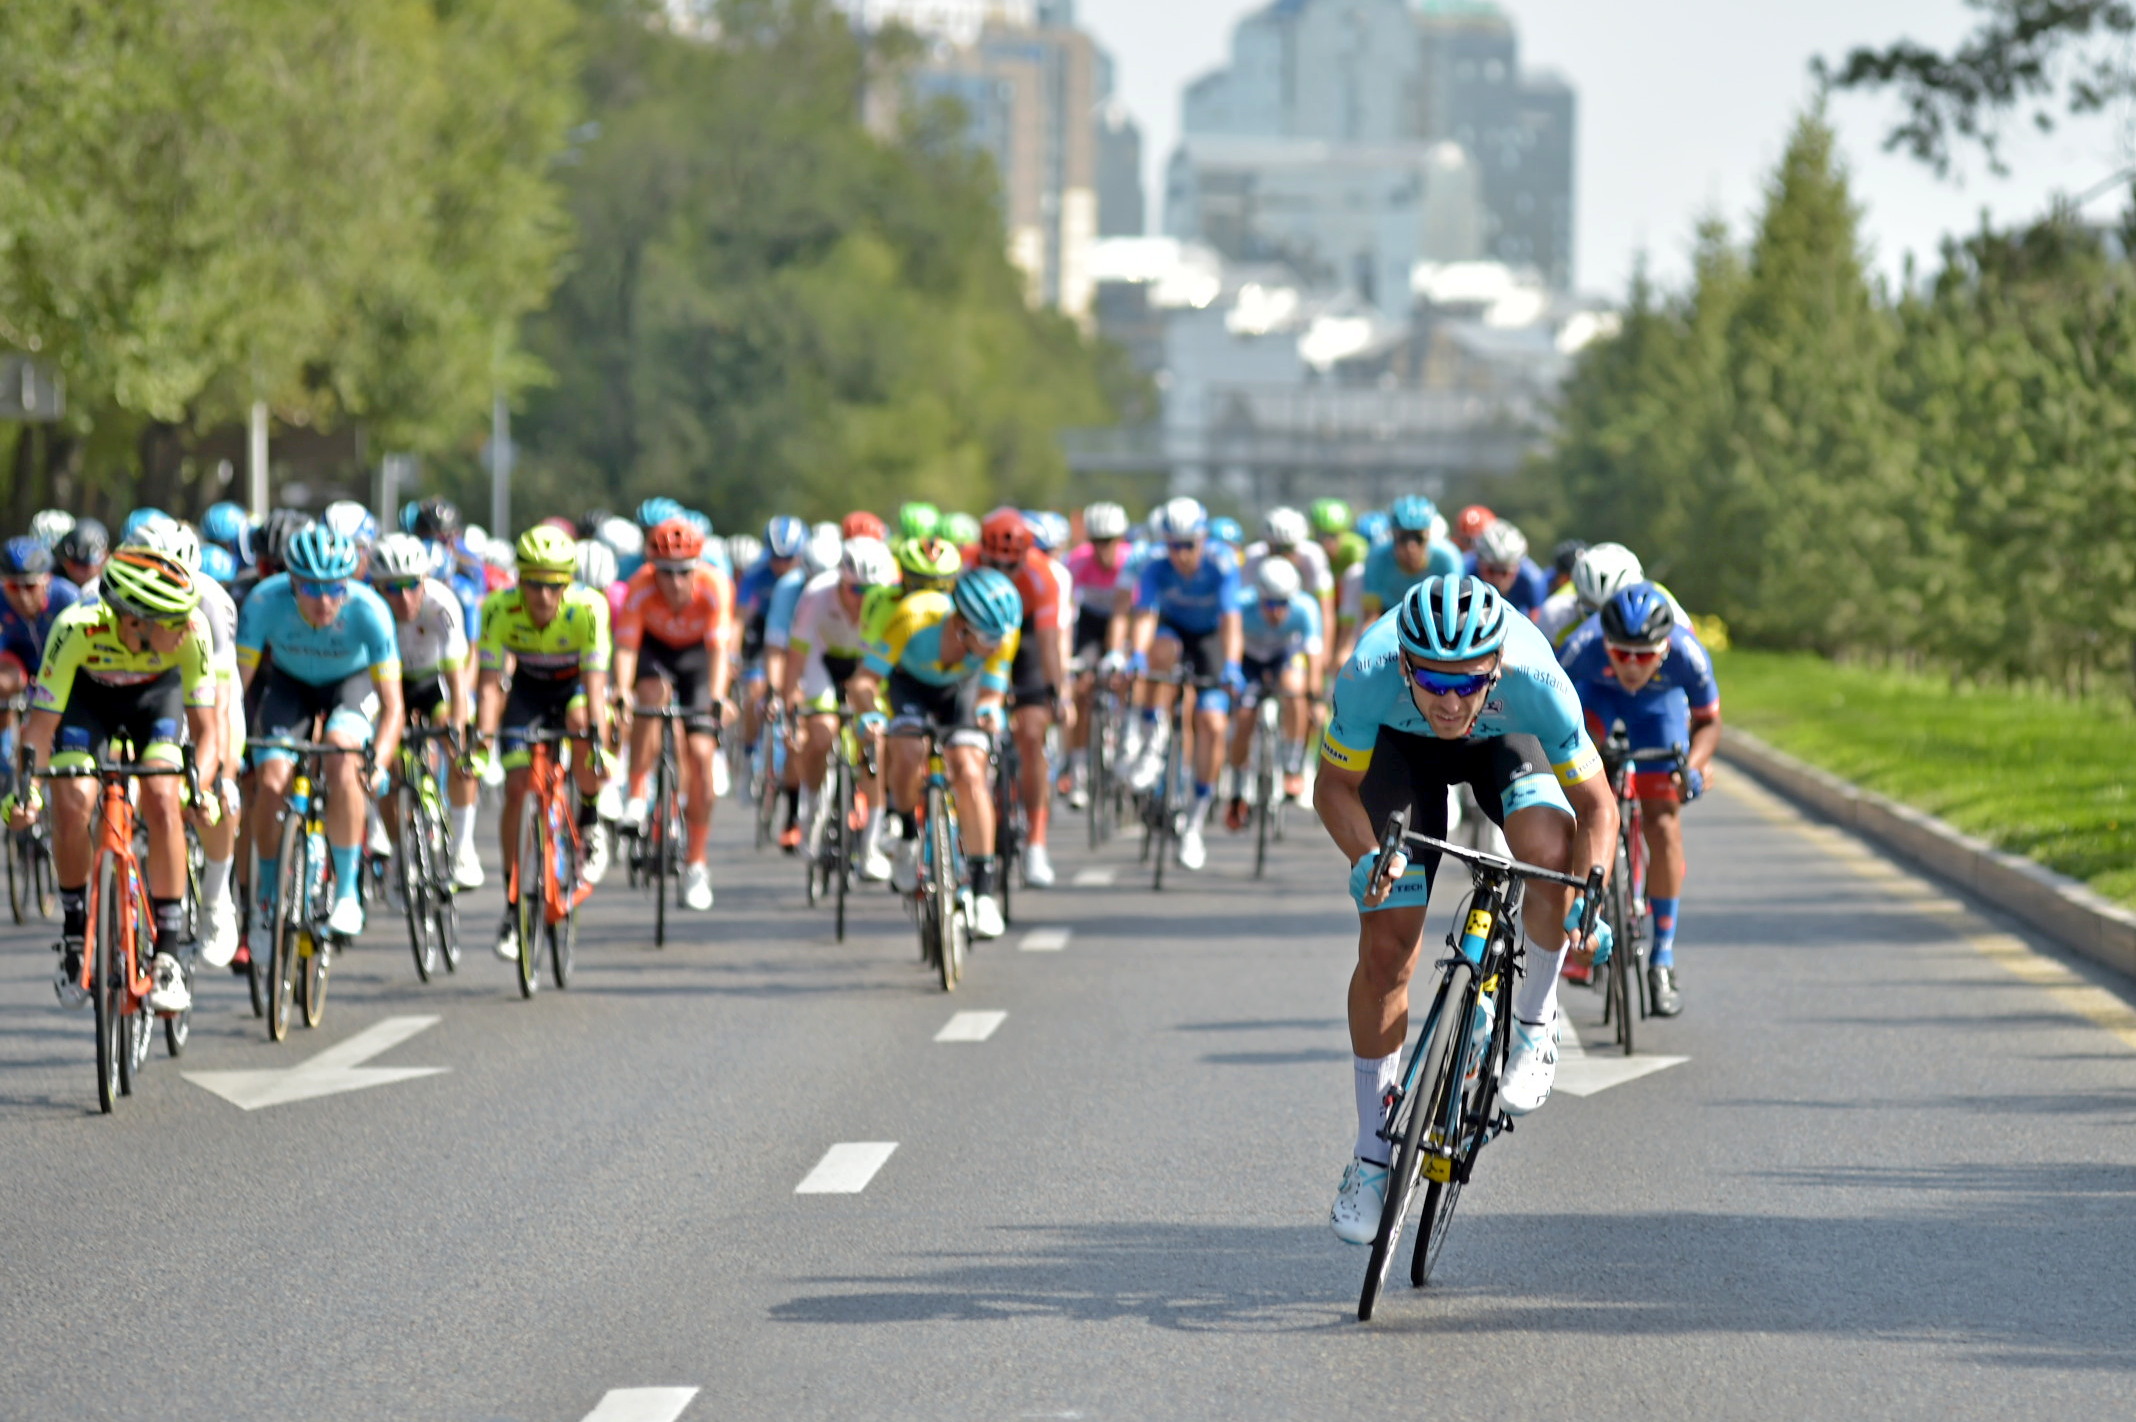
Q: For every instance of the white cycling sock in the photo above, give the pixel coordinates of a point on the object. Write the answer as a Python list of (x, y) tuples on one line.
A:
[(1374, 1078), (214, 880), (1535, 996), (463, 826), (807, 812)]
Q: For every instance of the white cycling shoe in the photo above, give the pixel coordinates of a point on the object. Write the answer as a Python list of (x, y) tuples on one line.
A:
[(905, 867), (1358, 1204), (595, 866), (170, 994), (346, 921), (466, 868), (696, 887), (218, 946), (1148, 765), (1038, 867), (875, 865), (986, 917), (608, 802), (1193, 854), (1531, 1068), (377, 843), (508, 938), (635, 810)]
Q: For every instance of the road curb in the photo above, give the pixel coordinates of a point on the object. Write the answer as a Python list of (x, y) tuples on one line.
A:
[(2052, 903)]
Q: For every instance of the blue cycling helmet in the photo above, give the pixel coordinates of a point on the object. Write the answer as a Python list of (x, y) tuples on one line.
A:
[(989, 602), (1227, 530), (1413, 513), (1449, 619), (224, 523), (657, 510), (1374, 526), (218, 563), (25, 557), (321, 555), (1638, 616), (785, 536), (134, 520)]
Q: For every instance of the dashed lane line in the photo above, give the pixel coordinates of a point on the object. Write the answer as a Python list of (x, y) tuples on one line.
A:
[(642, 1404), (1094, 878), (1045, 940), (846, 1168), (971, 1027), (1579, 1074)]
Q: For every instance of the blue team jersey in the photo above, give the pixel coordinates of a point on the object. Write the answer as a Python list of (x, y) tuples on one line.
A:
[(785, 597), (360, 638), (1533, 698), (1385, 580), (1193, 605), (1297, 631), (756, 585), (25, 637), (1687, 671), (1531, 586)]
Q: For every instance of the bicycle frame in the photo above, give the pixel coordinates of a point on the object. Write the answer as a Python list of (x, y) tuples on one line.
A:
[(550, 785)]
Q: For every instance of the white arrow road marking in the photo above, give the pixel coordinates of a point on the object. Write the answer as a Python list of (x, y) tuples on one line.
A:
[(339, 1068), (971, 1027), (846, 1168), (642, 1404), (1093, 878), (1579, 1074), (1045, 940)]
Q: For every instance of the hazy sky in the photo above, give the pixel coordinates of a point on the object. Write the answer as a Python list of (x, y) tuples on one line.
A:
[(1684, 108)]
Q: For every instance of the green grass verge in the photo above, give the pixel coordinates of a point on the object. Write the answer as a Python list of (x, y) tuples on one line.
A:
[(2036, 775)]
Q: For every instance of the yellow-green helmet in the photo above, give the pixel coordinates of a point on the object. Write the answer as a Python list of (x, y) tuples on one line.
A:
[(928, 563), (147, 583), (547, 555)]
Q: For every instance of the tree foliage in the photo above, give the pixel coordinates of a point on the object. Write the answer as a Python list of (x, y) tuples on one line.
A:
[(1949, 475), (774, 307)]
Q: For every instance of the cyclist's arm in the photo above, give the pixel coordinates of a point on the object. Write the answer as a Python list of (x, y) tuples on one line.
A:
[(719, 637), (392, 711), (37, 734), (1594, 810), (489, 702), (1231, 629), (1338, 798), (860, 691), (1705, 740), (1142, 630), (790, 665), (206, 724)]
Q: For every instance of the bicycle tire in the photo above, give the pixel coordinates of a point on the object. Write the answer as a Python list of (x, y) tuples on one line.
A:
[(842, 830), (105, 985), (1167, 811), (1094, 771), (18, 872), (259, 958), (139, 1025), (1430, 1071), (532, 907), (1476, 1101), (284, 928), (319, 884), (1264, 785), (663, 829), (444, 911), (563, 933), (769, 789), (178, 1026), (411, 868), (942, 869), (47, 884), (1619, 1005), (1008, 847)]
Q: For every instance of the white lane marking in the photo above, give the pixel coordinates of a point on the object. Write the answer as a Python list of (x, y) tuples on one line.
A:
[(1045, 940), (1093, 878), (846, 1168), (339, 1068), (971, 1027), (642, 1404), (1579, 1074)]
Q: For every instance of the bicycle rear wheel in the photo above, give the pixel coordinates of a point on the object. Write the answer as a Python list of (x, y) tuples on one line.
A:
[(1427, 1102), (533, 906), (1168, 798), (1095, 767), (107, 986), (413, 872), (942, 870), (662, 825)]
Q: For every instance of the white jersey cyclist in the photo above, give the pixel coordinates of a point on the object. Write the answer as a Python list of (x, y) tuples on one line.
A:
[(435, 639), (1308, 557), (827, 638)]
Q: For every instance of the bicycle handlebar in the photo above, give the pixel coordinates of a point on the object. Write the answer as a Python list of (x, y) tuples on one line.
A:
[(1397, 836)]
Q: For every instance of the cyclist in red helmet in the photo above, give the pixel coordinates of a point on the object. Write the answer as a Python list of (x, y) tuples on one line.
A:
[(1007, 544), (862, 524)]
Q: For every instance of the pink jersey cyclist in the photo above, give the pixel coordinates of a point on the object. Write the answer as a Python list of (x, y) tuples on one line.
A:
[(1096, 584)]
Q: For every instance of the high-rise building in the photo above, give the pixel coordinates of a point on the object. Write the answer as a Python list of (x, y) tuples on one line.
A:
[(1356, 138)]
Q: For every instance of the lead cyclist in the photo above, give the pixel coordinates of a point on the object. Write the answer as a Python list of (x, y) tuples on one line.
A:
[(1452, 686)]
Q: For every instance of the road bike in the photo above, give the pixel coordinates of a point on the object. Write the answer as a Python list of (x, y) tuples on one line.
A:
[(837, 825), (1445, 1107), (1012, 820), (1164, 804), (114, 967), (1625, 1000), (658, 845), (300, 946), (767, 769), (1108, 732), (550, 854), (31, 886), (423, 865), (1266, 762), (940, 905)]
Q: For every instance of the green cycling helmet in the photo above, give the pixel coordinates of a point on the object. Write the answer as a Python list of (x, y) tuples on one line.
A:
[(928, 563), (918, 520), (1330, 517), (961, 529), (148, 583)]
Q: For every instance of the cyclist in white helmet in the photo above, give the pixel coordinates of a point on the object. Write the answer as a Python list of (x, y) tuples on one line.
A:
[(437, 676), (1600, 573)]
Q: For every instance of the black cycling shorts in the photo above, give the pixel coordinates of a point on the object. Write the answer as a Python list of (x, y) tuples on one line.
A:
[(1201, 652), (146, 713), (687, 671), (951, 710), (288, 707), (535, 703), (1027, 674), (1093, 625), (423, 695), (1417, 771)]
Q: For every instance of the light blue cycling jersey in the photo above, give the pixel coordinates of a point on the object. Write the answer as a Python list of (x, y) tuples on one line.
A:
[(360, 638), (1191, 604), (1533, 698), (785, 597), (1298, 630), (1385, 580)]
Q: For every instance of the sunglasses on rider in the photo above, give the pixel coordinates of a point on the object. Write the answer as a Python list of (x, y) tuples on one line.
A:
[(1496, 570), (1276, 604), (1184, 545), (1640, 655), (400, 585), (1409, 535), (1438, 683), (333, 587)]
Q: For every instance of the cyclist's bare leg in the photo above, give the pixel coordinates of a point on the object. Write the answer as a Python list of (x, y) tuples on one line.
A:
[(1664, 829), (162, 815), (346, 798), (645, 735), (515, 794), (72, 803), (270, 792), (585, 764), (697, 802), (975, 799), (1029, 724), (817, 734), (1387, 951)]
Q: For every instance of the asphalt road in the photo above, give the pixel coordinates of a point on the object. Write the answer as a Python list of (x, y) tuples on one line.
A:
[(1891, 1176)]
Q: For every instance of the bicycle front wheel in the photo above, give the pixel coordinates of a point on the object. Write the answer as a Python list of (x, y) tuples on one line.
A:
[(563, 933), (1621, 1005), (533, 880), (286, 929), (843, 835), (413, 870), (1420, 1144), (1265, 807), (942, 852), (319, 886), (18, 872), (107, 985), (663, 843)]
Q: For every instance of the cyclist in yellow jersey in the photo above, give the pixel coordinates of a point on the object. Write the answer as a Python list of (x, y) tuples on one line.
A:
[(138, 664), (553, 637)]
